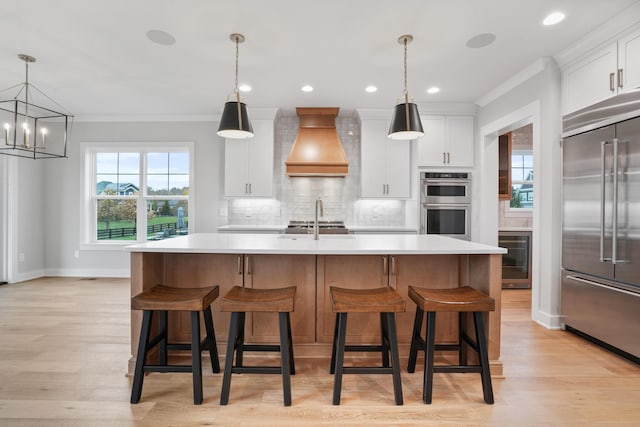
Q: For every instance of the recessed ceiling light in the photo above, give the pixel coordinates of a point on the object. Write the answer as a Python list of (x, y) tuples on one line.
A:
[(481, 40), (244, 88), (307, 88), (553, 18), (433, 89), (161, 37), (371, 89)]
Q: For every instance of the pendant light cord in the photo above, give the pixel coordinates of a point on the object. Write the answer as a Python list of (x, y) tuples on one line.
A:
[(406, 92), (236, 87)]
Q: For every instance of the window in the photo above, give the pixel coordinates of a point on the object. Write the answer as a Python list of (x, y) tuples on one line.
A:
[(522, 179), (136, 194)]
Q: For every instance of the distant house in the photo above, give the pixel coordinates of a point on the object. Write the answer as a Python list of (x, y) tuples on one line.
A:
[(526, 196), (122, 189)]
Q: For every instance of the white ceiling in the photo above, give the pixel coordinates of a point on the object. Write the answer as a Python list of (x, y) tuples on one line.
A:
[(93, 57)]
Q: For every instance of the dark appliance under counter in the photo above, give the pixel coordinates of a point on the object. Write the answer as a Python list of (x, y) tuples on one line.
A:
[(516, 263)]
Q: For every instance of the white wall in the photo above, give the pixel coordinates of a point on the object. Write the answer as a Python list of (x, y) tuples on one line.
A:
[(537, 100), (63, 192)]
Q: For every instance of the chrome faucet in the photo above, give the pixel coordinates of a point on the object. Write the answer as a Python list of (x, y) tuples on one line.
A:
[(316, 228)]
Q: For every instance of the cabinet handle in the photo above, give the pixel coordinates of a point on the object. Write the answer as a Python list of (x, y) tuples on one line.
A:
[(250, 188), (385, 265), (448, 157), (239, 264), (444, 158), (384, 188), (246, 189), (611, 86), (248, 264), (393, 266), (620, 84)]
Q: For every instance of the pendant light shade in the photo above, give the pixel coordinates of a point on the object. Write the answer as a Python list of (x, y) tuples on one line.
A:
[(405, 123), (234, 123)]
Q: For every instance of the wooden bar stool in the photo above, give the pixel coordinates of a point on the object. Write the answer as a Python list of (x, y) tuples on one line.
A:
[(162, 299), (461, 300), (385, 301), (240, 301)]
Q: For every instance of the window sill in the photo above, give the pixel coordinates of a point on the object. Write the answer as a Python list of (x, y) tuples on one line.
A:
[(518, 212), (107, 246)]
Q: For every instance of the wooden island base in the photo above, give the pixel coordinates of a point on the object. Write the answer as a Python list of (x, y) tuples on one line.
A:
[(313, 320)]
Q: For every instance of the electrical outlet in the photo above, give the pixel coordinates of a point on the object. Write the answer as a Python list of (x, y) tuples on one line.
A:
[(21, 257), (76, 253)]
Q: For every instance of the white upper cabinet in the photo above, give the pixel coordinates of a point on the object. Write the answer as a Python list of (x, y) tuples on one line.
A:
[(248, 163), (601, 74), (447, 141), (385, 163)]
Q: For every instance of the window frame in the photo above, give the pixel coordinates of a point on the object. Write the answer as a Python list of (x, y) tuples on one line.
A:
[(519, 211), (90, 198)]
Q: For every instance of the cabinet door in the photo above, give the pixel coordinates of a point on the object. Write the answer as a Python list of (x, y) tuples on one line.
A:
[(398, 159), (248, 170), (629, 61), (279, 271), (590, 80), (201, 270), (427, 271), (260, 159), (432, 146), (372, 154), (460, 134), (236, 166), (354, 272)]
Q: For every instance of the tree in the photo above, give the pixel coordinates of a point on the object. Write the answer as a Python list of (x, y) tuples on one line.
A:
[(515, 198), (166, 209), (108, 209)]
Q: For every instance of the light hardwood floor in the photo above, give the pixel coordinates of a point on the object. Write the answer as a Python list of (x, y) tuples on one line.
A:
[(64, 346)]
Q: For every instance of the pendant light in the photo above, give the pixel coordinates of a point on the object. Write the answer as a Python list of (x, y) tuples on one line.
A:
[(234, 123), (405, 123)]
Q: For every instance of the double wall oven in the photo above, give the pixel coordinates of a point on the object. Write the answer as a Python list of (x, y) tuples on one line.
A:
[(445, 204)]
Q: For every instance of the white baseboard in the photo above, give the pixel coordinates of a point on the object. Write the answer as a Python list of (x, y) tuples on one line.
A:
[(90, 272), (27, 275), (549, 321)]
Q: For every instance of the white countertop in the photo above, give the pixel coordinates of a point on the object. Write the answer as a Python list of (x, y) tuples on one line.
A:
[(259, 228), (328, 244)]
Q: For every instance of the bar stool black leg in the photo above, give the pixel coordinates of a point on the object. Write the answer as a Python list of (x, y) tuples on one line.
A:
[(141, 358), (292, 364), (415, 341), (211, 340), (332, 367), (240, 340), (164, 331), (462, 328), (228, 361), (483, 355), (339, 363), (196, 358), (284, 358), (395, 358), (429, 355), (384, 336)]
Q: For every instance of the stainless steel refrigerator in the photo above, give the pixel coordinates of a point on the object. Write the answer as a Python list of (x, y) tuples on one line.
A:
[(601, 224)]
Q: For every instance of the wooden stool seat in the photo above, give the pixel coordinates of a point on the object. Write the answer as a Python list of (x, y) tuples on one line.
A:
[(240, 301), (162, 297), (462, 300), (279, 300), (385, 301), (376, 300), (451, 300)]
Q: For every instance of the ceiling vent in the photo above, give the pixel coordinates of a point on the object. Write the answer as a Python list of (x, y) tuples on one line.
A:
[(317, 150)]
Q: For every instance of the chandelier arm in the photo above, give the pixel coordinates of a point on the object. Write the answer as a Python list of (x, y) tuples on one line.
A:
[(13, 87), (49, 98)]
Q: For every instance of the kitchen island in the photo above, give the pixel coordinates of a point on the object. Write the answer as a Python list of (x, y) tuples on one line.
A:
[(351, 261)]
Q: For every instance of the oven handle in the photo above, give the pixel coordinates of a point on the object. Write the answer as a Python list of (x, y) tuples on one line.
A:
[(446, 205), (447, 181)]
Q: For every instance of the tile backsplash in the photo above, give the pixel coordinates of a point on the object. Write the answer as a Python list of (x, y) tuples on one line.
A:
[(295, 197)]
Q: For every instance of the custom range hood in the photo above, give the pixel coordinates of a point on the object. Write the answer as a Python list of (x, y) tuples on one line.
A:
[(317, 150)]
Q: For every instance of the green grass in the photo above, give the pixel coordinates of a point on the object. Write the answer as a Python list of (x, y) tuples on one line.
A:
[(131, 224)]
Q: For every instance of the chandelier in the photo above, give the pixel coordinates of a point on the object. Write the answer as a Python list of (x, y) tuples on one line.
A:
[(29, 130)]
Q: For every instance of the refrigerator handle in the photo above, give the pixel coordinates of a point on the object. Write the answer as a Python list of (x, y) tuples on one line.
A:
[(603, 144), (614, 238)]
